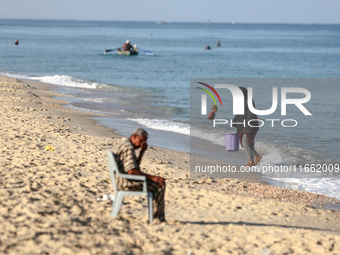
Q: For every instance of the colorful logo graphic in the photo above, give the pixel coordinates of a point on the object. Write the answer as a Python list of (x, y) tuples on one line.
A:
[(204, 97), (239, 100)]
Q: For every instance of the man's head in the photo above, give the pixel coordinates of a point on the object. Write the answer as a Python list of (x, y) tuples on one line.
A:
[(138, 137)]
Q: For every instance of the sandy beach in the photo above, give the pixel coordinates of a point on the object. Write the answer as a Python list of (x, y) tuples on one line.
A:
[(54, 174)]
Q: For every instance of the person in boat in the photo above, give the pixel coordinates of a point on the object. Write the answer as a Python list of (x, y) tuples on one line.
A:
[(127, 46), (218, 44)]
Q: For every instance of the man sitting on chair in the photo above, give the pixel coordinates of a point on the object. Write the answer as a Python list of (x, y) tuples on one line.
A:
[(128, 163)]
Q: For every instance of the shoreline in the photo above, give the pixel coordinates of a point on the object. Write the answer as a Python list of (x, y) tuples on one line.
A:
[(165, 141), (86, 121), (49, 197), (91, 121)]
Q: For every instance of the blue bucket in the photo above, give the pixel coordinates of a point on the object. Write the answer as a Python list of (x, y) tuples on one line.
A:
[(231, 141)]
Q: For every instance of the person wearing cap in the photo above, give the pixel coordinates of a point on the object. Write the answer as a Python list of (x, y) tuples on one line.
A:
[(127, 46)]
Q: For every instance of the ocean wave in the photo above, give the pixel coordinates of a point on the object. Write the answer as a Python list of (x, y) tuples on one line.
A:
[(95, 100), (276, 154), (14, 75), (69, 81), (324, 186), (62, 80), (166, 125)]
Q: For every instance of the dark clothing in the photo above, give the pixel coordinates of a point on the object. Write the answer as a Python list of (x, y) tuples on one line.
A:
[(246, 129), (211, 115), (127, 47), (248, 115)]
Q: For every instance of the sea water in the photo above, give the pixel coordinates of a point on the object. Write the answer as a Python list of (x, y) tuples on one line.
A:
[(153, 91)]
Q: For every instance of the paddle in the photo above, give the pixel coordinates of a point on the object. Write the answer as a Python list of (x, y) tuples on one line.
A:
[(147, 52), (106, 51)]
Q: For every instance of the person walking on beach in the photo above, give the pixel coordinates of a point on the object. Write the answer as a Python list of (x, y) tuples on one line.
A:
[(247, 133), (128, 163)]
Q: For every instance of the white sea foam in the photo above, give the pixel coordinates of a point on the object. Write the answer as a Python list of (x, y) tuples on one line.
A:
[(69, 81), (166, 125), (325, 186), (63, 80), (96, 100), (13, 75), (293, 156)]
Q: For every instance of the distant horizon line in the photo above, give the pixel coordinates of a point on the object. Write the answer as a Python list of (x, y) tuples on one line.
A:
[(164, 22)]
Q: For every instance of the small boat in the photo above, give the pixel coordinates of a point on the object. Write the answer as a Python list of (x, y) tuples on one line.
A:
[(127, 53)]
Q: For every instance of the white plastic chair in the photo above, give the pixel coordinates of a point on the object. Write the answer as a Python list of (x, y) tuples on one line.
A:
[(119, 194)]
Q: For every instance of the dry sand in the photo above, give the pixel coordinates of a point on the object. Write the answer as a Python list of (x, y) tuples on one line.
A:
[(49, 198)]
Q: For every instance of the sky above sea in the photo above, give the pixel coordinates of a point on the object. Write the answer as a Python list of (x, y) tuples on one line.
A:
[(226, 11)]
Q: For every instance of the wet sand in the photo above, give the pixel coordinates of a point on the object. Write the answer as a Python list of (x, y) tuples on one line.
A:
[(54, 172)]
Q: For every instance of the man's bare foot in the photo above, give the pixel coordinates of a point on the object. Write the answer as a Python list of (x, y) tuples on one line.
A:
[(257, 159), (251, 163)]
